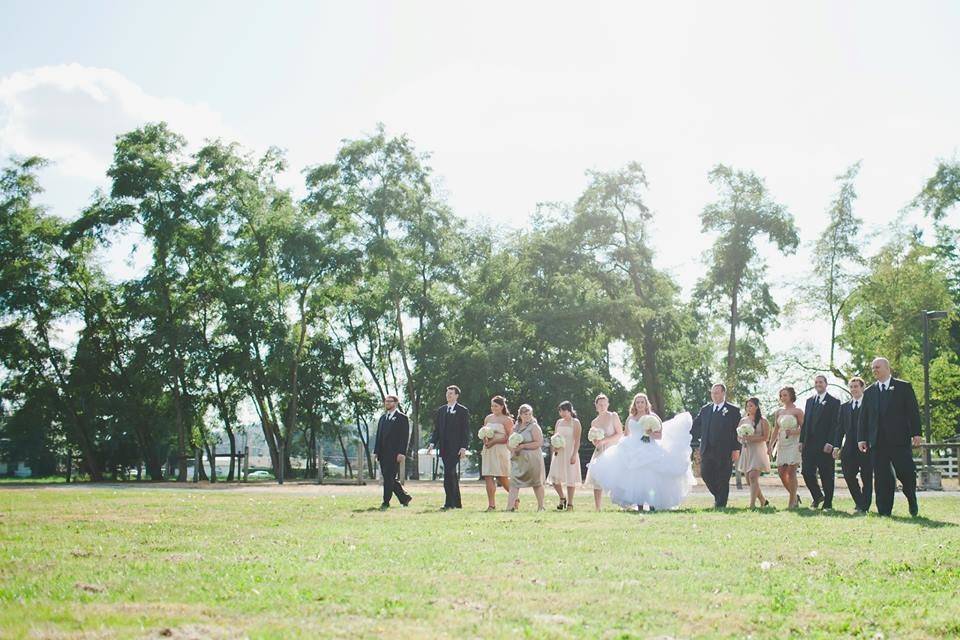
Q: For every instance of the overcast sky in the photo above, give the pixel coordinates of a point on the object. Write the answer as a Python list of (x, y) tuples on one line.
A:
[(513, 100)]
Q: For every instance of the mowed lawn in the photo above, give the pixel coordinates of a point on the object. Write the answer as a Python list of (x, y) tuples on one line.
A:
[(323, 562)]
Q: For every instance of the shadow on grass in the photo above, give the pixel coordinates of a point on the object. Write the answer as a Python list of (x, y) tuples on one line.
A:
[(807, 512)]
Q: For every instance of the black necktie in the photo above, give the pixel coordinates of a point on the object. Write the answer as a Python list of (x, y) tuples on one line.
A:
[(883, 387)]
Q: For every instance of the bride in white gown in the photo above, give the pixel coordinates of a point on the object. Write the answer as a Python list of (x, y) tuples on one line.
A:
[(651, 465)]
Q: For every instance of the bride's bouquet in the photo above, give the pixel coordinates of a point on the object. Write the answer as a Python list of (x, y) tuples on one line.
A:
[(788, 421), (486, 432), (745, 429), (557, 441), (515, 440), (596, 434), (649, 424)]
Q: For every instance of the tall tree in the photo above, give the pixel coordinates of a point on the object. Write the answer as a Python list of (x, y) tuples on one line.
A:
[(33, 301), (378, 189), (735, 280), (609, 227), (836, 255)]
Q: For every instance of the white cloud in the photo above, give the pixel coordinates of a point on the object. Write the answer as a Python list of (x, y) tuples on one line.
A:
[(72, 113)]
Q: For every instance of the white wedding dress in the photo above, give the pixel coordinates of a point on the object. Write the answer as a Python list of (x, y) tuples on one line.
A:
[(656, 473)]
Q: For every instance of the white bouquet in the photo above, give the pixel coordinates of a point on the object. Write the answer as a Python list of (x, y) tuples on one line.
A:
[(557, 441), (515, 440), (596, 434), (486, 432), (649, 424), (787, 421), (745, 429)]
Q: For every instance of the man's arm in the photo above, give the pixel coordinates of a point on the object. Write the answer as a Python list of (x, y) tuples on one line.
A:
[(404, 435), (806, 423), (465, 429), (435, 436), (863, 420), (838, 427), (734, 440), (913, 411), (697, 427), (376, 442)]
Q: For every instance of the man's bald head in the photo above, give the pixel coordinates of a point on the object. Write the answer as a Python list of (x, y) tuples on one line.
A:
[(880, 368)]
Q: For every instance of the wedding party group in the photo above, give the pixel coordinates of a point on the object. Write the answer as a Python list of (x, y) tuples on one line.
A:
[(646, 463)]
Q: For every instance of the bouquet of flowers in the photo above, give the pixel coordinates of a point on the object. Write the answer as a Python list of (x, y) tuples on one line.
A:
[(596, 434), (649, 424), (745, 429), (788, 421), (486, 432), (557, 441), (515, 440)]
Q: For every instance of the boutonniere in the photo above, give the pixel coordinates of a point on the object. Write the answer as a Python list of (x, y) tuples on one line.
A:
[(891, 388), (724, 412)]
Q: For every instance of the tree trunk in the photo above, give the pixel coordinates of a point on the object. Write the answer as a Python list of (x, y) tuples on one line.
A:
[(651, 373), (732, 344), (411, 394), (346, 459), (233, 454)]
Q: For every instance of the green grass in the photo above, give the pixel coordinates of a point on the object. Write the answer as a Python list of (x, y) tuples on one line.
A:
[(263, 563)]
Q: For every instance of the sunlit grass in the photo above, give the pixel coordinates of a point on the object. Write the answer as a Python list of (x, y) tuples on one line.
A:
[(298, 563)]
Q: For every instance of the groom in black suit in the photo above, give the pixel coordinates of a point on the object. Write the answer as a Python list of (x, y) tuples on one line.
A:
[(451, 435), (852, 460), (819, 431), (716, 425), (889, 429), (390, 447)]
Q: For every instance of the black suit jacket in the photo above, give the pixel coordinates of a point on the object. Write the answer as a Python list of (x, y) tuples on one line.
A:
[(451, 432), (845, 437), (890, 418), (718, 432), (392, 436), (819, 423)]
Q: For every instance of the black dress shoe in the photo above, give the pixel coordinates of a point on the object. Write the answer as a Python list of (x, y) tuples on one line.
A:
[(384, 506), (914, 508), (816, 503)]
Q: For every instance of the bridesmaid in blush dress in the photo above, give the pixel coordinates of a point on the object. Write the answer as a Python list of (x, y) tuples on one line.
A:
[(754, 458), (787, 439), (609, 421), (495, 456), (565, 462)]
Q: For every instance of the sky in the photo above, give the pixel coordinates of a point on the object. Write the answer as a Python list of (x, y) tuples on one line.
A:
[(514, 101)]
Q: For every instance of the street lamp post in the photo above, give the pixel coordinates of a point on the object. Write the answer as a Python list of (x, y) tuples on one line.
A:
[(931, 479)]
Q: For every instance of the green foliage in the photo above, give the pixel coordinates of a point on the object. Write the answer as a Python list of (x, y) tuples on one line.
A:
[(735, 283)]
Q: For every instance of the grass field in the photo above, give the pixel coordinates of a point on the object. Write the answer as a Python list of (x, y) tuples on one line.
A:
[(314, 562)]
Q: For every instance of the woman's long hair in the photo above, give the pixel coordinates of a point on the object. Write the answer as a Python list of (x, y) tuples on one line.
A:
[(759, 415), (633, 405), (501, 402), (526, 407), (566, 405)]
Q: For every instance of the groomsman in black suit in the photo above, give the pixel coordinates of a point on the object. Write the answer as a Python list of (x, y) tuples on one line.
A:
[(819, 430), (716, 425), (451, 435), (852, 460), (393, 433), (889, 429)]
